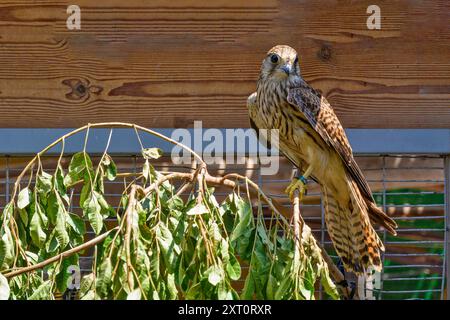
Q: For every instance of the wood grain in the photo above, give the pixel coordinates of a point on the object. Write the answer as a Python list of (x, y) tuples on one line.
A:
[(168, 63)]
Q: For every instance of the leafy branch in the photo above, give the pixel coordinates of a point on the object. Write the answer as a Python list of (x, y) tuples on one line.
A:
[(165, 245)]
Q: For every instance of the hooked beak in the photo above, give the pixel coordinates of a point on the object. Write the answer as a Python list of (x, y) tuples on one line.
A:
[(287, 69)]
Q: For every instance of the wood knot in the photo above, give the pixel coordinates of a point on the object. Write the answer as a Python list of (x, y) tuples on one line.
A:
[(81, 89), (324, 53)]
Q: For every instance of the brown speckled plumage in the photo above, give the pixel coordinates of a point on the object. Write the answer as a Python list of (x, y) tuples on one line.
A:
[(310, 135)]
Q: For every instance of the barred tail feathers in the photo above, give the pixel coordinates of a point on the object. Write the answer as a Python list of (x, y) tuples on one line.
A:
[(353, 237), (380, 217)]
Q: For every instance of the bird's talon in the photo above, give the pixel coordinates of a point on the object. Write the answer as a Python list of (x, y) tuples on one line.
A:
[(296, 184)]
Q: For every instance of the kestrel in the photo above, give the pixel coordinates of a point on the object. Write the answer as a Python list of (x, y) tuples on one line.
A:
[(313, 139)]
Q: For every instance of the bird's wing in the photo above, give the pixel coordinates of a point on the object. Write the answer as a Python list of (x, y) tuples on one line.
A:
[(322, 118)]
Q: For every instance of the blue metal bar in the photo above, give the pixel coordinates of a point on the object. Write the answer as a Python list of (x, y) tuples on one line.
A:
[(21, 141)]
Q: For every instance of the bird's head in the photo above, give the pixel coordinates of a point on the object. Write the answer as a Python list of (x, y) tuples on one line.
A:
[(281, 64)]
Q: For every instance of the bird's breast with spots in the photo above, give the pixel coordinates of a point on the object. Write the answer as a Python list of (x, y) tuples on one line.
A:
[(297, 139)]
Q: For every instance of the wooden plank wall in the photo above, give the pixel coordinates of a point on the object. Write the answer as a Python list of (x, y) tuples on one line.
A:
[(166, 63)]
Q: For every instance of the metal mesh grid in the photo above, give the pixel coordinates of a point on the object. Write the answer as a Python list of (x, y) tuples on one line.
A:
[(411, 190), (408, 188)]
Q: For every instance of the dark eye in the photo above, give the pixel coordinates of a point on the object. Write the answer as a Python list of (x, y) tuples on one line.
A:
[(274, 58), (296, 60)]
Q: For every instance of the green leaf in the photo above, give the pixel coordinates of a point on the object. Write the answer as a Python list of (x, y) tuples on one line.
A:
[(262, 232), (99, 184), (146, 171), (223, 292), (214, 275), (24, 198), (146, 285), (233, 268), (33, 257), (123, 274), (63, 275), (59, 216), (92, 209), (212, 200), (194, 292), (43, 292), (271, 285), (22, 233), (104, 277), (52, 244), (3, 250), (106, 210), (134, 295), (245, 219), (58, 181), (307, 293), (53, 208), (86, 284), (76, 223), (168, 246), (155, 295), (328, 284), (4, 288), (180, 271), (44, 183), (260, 258), (244, 244), (6, 249), (155, 265), (283, 288), (110, 166), (224, 250), (42, 214), (152, 153), (60, 230), (24, 216), (142, 258), (80, 165), (249, 287), (8, 210), (171, 287), (90, 295), (198, 209), (85, 192), (38, 235)]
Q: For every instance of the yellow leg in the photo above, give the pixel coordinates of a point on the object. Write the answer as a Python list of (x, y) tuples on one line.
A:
[(298, 184)]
